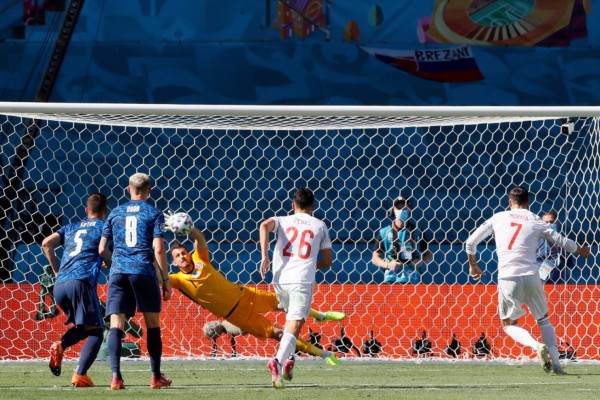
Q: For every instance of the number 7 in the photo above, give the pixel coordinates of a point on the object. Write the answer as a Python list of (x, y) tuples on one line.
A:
[(512, 241)]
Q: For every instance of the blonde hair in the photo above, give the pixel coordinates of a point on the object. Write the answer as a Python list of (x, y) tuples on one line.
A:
[(139, 181)]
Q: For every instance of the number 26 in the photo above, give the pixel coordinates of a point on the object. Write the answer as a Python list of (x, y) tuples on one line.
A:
[(304, 248)]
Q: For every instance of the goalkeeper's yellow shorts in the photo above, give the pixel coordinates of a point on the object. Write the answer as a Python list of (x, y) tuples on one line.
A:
[(265, 301), (247, 314)]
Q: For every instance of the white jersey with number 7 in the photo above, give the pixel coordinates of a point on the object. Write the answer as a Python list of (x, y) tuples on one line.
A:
[(517, 233), (300, 238)]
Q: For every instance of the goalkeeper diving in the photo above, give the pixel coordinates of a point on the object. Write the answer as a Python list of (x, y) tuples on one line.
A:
[(242, 306)]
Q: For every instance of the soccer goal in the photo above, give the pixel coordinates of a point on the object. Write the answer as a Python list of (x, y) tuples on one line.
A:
[(230, 167)]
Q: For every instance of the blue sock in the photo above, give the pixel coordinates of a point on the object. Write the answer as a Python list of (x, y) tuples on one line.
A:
[(115, 337), (90, 350), (154, 350), (73, 336)]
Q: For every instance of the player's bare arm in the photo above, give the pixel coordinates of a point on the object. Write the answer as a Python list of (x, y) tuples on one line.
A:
[(106, 256), (326, 259), (104, 251), (474, 270), (160, 254), (265, 228), (48, 245)]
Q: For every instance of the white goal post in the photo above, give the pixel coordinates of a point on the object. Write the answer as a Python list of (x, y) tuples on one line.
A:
[(230, 167)]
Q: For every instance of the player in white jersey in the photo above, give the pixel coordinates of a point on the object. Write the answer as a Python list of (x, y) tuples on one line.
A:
[(300, 239), (517, 233)]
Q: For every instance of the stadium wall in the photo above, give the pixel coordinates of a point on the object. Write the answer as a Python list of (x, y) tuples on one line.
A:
[(191, 52)]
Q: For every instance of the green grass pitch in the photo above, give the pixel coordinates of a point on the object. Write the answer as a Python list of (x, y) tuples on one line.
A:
[(250, 379)]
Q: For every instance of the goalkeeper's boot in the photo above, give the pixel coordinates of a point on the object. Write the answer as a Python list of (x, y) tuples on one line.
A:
[(288, 369), (331, 359), (544, 357), (275, 369), (117, 384), (333, 316), (157, 383), (558, 370), (81, 380), (56, 356), (389, 276)]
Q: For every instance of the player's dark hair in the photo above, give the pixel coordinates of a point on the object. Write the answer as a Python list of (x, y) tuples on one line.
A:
[(97, 203), (519, 195), (176, 245), (304, 198)]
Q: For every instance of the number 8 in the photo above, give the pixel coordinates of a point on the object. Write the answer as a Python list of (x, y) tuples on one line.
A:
[(130, 231)]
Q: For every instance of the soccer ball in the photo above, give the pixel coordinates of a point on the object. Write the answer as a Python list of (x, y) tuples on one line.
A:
[(179, 223)]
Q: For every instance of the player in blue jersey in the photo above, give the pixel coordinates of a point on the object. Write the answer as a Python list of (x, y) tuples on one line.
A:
[(75, 286), (135, 229)]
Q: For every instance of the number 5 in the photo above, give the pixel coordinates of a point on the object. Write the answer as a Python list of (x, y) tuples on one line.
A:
[(78, 242)]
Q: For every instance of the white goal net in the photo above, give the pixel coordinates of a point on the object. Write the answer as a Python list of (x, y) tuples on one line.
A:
[(232, 167)]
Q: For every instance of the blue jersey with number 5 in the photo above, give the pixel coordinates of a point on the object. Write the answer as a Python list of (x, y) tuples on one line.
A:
[(80, 259), (132, 228)]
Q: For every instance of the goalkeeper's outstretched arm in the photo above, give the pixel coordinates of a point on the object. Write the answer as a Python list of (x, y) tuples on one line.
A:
[(199, 239)]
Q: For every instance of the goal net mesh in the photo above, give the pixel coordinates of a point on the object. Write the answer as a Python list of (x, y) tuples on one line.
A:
[(230, 172)]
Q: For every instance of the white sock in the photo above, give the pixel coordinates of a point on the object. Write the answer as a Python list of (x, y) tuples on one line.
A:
[(520, 335), (321, 316), (325, 354), (549, 338), (287, 345)]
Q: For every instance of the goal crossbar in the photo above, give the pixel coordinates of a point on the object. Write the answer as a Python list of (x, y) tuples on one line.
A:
[(285, 117)]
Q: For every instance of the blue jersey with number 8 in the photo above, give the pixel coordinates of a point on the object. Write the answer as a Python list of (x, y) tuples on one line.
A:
[(80, 259), (132, 228)]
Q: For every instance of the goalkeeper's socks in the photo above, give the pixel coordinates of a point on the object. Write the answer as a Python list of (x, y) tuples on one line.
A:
[(325, 354), (89, 351), (321, 316), (115, 337), (155, 350), (287, 345), (520, 335), (305, 347), (549, 338)]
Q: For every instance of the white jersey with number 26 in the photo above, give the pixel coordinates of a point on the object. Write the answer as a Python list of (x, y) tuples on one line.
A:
[(300, 238), (517, 233)]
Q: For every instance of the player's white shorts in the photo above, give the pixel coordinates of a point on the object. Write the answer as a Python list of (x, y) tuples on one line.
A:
[(295, 299), (515, 291)]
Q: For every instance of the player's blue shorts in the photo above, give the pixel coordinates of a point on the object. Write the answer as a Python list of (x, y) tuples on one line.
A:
[(79, 301), (126, 292)]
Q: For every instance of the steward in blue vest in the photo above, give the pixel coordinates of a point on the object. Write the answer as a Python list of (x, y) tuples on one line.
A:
[(400, 248)]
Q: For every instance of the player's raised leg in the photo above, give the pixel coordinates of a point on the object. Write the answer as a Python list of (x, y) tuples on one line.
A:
[(320, 316)]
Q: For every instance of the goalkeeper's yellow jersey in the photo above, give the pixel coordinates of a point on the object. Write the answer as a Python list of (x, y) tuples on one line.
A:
[(207, 287)]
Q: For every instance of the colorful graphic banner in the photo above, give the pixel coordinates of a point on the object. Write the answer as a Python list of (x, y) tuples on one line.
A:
[(452, 64)]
